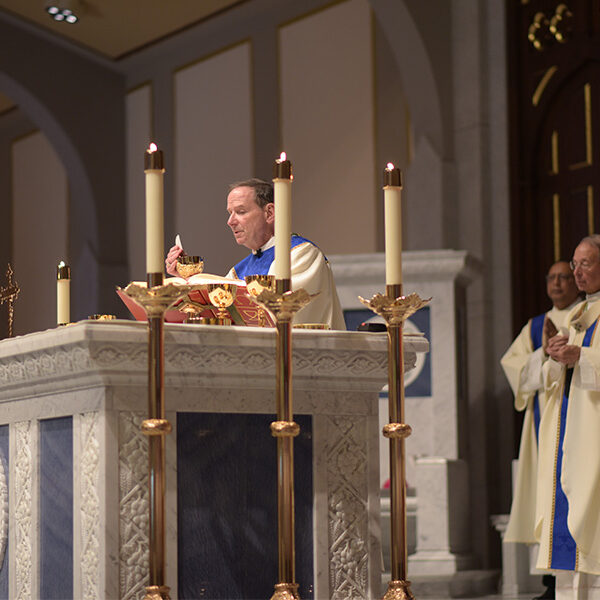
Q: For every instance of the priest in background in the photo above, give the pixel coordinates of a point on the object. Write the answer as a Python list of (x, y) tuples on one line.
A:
[(569, 454), (252, 220), (522, 364)]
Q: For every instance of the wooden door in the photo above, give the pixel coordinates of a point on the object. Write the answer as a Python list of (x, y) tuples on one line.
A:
[(554, 76)]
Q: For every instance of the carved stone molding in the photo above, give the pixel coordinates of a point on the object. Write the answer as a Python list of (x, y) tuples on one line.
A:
[(89, 505), (23, 509), (133, 507), (87, 355), (347, 498)]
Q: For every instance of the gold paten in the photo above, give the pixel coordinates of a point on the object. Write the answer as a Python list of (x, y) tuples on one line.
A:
[(398, 590), (156, 427), (222, 295), (157, 592), (102, 317), (286, 591), (9, 293), (284, 429), (395, 309), (312, 326), (255, 284), (189, 265)]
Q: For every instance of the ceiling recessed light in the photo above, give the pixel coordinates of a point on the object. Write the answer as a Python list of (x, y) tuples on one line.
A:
[(68, 11)]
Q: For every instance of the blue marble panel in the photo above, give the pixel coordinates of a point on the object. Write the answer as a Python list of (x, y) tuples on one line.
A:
[(420, 384), (56, 508), (227, 506), (4, 459)]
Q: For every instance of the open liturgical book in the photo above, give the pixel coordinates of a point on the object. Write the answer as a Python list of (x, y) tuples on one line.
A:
[(243, 311)]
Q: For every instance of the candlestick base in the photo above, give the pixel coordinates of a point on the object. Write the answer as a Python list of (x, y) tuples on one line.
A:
[(286, 591), (285, 305), (157, 592), (395, 310), (399, 590)]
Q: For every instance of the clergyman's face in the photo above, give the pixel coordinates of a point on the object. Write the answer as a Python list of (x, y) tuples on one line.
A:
[(586, 260), (252, 226), (560, 285)]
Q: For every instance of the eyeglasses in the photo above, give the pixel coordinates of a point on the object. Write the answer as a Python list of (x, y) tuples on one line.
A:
[(559, 276), (584, 264)]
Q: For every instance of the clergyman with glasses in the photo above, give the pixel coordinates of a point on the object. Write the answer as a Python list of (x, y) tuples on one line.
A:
[(568, 518), (522, 364)]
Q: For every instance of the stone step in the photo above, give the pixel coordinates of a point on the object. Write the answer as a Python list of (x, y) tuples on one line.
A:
[(463, 584)]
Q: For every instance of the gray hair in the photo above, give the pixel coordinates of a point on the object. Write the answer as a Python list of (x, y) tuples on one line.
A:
[(592, 240), (263, 190)]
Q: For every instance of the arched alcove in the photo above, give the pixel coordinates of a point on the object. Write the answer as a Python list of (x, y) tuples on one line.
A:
[(77, 102)]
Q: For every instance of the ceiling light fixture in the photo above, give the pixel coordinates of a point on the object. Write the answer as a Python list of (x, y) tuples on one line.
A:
[(67, 11)]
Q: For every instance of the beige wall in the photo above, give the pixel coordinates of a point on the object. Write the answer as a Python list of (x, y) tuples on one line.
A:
[(213, 147), (40, 230), (327, 125), (138, 135)]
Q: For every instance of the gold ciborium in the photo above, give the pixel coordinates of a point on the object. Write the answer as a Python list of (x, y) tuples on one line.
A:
[(255, 284), (221, 296), (189, 265)]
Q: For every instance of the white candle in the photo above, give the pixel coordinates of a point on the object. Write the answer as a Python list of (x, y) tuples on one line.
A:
[(154, 170), (282, 183), (63, 294), (392, 193)]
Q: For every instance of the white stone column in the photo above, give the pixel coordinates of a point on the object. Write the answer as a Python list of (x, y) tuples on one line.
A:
[(442, 518), (24, 527)]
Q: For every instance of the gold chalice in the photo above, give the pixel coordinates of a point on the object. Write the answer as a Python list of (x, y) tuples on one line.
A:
[(255, 284), (221, 296), (189, 265)]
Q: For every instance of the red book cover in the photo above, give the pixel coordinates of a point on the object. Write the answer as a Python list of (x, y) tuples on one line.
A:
[(243, 311)]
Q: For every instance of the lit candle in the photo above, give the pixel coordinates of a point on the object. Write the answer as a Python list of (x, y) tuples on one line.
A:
[(154, 170), (63, 294), (282, 182), (392, 193)]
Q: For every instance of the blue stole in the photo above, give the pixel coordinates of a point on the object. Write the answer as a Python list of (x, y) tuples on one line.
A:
[(536, 332), (564, 547), (260, 263)]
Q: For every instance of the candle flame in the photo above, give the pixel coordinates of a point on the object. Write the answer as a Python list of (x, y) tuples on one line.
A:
[(152, 147), (282, 157), (390, 167), (61, 264)]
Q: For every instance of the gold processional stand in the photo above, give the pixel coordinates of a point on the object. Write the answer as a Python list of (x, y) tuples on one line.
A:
[(156, 298), (9, 293), (395, 309), (284, 304)]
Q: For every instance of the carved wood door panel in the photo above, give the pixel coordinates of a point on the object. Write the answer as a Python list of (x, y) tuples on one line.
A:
[(554, 74)]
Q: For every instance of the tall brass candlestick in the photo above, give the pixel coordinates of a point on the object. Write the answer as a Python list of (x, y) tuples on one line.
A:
[(284, 304), (155, 301), (395, 309)]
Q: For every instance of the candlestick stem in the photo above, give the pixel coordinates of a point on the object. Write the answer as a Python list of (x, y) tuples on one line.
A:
[(395, 309), (283, 305)]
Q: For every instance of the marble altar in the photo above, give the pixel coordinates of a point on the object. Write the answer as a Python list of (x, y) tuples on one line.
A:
[(73, 493)]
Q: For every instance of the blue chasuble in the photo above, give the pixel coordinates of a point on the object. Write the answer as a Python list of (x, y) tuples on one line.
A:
[(536, 331), (260, 263), (564, 547)]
